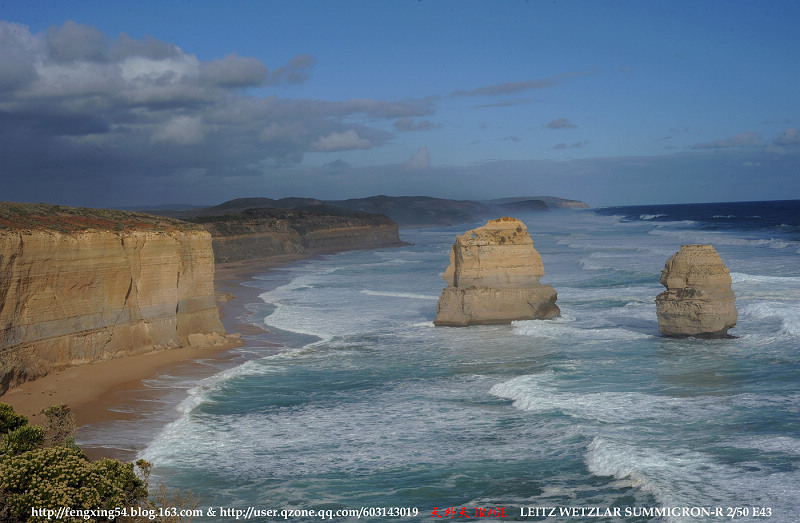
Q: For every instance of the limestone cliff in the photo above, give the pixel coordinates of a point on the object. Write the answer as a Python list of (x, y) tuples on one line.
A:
[(699, 300), (493, 277), (80, 285), (264, 232)]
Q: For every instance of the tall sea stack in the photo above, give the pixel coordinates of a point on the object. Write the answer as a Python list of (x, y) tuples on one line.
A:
[(699, 300), (493, 278)]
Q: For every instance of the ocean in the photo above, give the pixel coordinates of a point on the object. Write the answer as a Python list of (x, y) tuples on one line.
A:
[(354, 399)]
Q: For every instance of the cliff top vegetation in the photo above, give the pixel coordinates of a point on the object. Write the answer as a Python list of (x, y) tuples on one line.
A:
[(302, 220), (40, 216), (43, 468)]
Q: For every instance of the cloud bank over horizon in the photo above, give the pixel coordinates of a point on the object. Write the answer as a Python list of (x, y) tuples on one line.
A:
[(90, 119), (73, 101)]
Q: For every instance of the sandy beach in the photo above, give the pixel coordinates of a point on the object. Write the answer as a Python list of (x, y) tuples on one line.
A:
[(97, 392)]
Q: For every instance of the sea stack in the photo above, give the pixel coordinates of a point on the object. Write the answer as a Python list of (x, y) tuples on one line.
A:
[(493, 278), (699, 300)]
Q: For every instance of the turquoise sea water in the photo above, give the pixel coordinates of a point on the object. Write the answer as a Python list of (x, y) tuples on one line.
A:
[(367, 404)]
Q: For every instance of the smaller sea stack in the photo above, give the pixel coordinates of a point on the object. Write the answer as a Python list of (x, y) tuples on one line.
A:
[(493, 278), (699, 300)]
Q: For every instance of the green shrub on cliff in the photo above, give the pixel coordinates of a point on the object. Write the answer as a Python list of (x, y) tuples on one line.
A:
[(22, 439), (9, 419), (44, 469), (62, 477)]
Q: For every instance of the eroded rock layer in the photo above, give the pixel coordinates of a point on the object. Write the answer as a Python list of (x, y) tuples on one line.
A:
[(699, 300), (263, 233), (493, 277), (79, 296)]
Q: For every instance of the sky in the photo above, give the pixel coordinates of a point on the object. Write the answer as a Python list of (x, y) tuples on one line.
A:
[(146, 103)]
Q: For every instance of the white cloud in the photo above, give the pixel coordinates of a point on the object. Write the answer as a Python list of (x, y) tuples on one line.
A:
[(341, 142), (748, 139), (561, 123), (296, 71), (790, 136), (115, 107), (234, 71), (159, 71), (72, 41), (516, 87), (126, 118), (291, 131), (420, 160), (17, 59), (184, 130), (408, 124), (575, 145)]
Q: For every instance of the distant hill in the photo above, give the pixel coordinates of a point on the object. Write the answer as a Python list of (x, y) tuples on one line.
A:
[(417, 210), (404, 210), (551, 201)]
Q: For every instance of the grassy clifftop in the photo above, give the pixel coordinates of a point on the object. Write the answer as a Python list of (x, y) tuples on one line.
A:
[(301, 221), (40, 216)]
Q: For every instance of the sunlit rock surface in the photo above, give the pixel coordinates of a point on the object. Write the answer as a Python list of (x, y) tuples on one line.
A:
[(699, 300), (493, 277), (81, 285)]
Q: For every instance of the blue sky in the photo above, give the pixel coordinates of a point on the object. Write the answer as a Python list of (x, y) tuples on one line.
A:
[(614, 103)]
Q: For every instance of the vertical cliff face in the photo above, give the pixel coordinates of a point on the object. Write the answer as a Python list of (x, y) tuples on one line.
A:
[(699, 299), (493, 277), (266, 232), (74, 297)]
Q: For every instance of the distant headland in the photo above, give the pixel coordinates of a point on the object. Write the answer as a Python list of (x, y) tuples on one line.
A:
[(406, 211)]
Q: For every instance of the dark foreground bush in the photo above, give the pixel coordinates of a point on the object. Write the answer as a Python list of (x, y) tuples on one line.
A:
[(36, 476), (10, 420), (62, 477)]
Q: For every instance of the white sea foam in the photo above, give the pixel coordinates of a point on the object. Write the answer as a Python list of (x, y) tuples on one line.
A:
[(302, 320), (566, 330), (629, 293), (593, 266), (787, 313), (676, 475), (385, 394), (650, 216), (642, 310), (539, 393), (677, 223), (682, 477), (672, 478), (401, 427), (408, 295), (738, 277), (200, 392), (772, 443), (721, 238)]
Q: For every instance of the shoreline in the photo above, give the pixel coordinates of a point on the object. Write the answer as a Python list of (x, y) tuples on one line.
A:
[(104, 391)]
